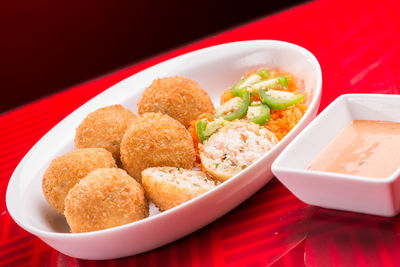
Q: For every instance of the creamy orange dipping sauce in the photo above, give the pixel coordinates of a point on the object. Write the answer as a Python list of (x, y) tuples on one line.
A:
[(364, 148)]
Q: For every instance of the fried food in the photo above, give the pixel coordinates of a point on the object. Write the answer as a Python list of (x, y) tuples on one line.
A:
[(154, 140), (105, 198), (168, 187), (104, 128), (178, 97), (234, 147), (66, 170)]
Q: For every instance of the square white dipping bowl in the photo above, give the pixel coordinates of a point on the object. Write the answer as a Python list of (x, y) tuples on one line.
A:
[(377, 196)]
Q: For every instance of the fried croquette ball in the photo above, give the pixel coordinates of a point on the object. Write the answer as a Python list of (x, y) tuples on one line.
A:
[(178, 97), (105, 198), (66, 170), (234, 147), (168, 187), (104, 128), (153, 140)]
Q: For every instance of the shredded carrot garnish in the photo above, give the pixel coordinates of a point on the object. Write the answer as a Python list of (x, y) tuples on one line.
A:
[(226, 96), (282, 121)]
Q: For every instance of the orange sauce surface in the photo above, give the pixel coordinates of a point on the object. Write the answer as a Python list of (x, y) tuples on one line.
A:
[(363, 148)]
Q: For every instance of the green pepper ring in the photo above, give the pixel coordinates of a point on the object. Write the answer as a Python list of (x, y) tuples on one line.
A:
[(279, 103), (241, 111)]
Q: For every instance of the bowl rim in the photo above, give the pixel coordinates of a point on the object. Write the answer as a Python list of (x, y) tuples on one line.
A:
[(313, 127), (262, 42)]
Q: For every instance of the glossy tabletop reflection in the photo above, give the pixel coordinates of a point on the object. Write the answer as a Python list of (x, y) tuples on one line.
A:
[(357, 45)]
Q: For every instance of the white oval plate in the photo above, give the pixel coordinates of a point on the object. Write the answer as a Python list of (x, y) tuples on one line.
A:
[(215, 69)]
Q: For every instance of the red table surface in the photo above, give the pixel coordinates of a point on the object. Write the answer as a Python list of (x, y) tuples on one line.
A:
[(358, 46)]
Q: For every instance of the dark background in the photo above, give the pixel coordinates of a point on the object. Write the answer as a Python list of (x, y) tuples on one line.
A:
[(47, 46)]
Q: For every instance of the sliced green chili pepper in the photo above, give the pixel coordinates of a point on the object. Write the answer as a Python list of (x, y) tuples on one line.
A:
[(279, 100), (264, 73), (229, 106), (241, 111), (241, 86), (273, 83), (259, 114), (205, 129), (200, 128), (213, 126)]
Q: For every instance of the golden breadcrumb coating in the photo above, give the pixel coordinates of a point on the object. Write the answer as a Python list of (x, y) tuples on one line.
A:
[(66, 170), (179, 97), (154, 140), (168, 187), (105, 198), (235, 147), (104, 128)]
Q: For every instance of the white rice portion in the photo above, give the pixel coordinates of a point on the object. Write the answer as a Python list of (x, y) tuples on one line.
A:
[(236, 146)]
